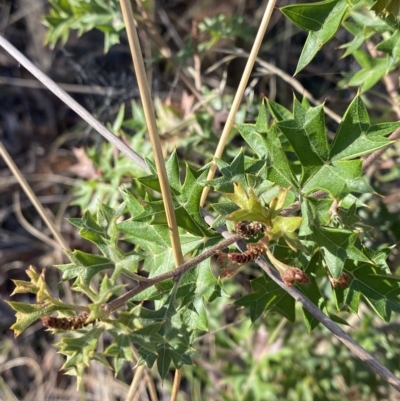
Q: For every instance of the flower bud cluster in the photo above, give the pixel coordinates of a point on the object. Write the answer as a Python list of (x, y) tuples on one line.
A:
[(249, 229), (253, 252), (66, 323)]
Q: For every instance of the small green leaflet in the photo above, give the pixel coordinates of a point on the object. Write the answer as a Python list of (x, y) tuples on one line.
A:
[(231, 173), (306, 134), (250, 207), (321, 20), (338, 179), (268, 147), (120, 350), (175, 337), (356, 136), (379, 289), (80, 351), (336, 245), (84, 266), (373, 69), (97, 228), (267, 296)]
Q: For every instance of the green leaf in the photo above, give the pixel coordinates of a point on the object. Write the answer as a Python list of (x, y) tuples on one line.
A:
[(285, 227), (337, 246), (380, 290), (373, 69), (36, 285), (91, 230), (194, 315), (310, 16), (268, 296), (279, 112), (192, 189), (224, 208), (250, 207), (379, 258), (172, 167), (200, 279), (269, 147), (321, 20), (120, 350), (83, 16), (151, 181), (186, 199), (354, 123), (231, 174), (134, 206), (358, 40), (251, 174), (259, 299), (349, 217), (159, 256), (147, 343), (80, 351), (164, 360), (354, 45), (153, 213), (172, 340), (119, 119), (356, 137), (147, 236), (284, 305), (369, 141), (391, 45), (338, 179), (255, 140), (84, 266), (306, 134)]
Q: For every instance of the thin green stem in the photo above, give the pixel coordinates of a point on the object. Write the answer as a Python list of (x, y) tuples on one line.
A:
[(239, 93)]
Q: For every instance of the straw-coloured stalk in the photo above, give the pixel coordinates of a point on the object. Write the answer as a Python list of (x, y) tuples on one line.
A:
[(156, 145), (31, 195), (239, 94), (152, 127)]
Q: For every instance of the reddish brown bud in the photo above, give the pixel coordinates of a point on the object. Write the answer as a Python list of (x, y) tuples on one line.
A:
[(252, 253), (343, 281), (294, 275)]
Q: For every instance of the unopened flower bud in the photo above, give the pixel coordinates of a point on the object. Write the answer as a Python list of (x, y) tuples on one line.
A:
[(294, 275)]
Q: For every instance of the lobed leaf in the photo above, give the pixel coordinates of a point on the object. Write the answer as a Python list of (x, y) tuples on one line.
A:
[(381, 291), (84, 266), (306, 134)]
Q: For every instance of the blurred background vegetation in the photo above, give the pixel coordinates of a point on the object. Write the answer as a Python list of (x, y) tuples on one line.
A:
[(195, 53)]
